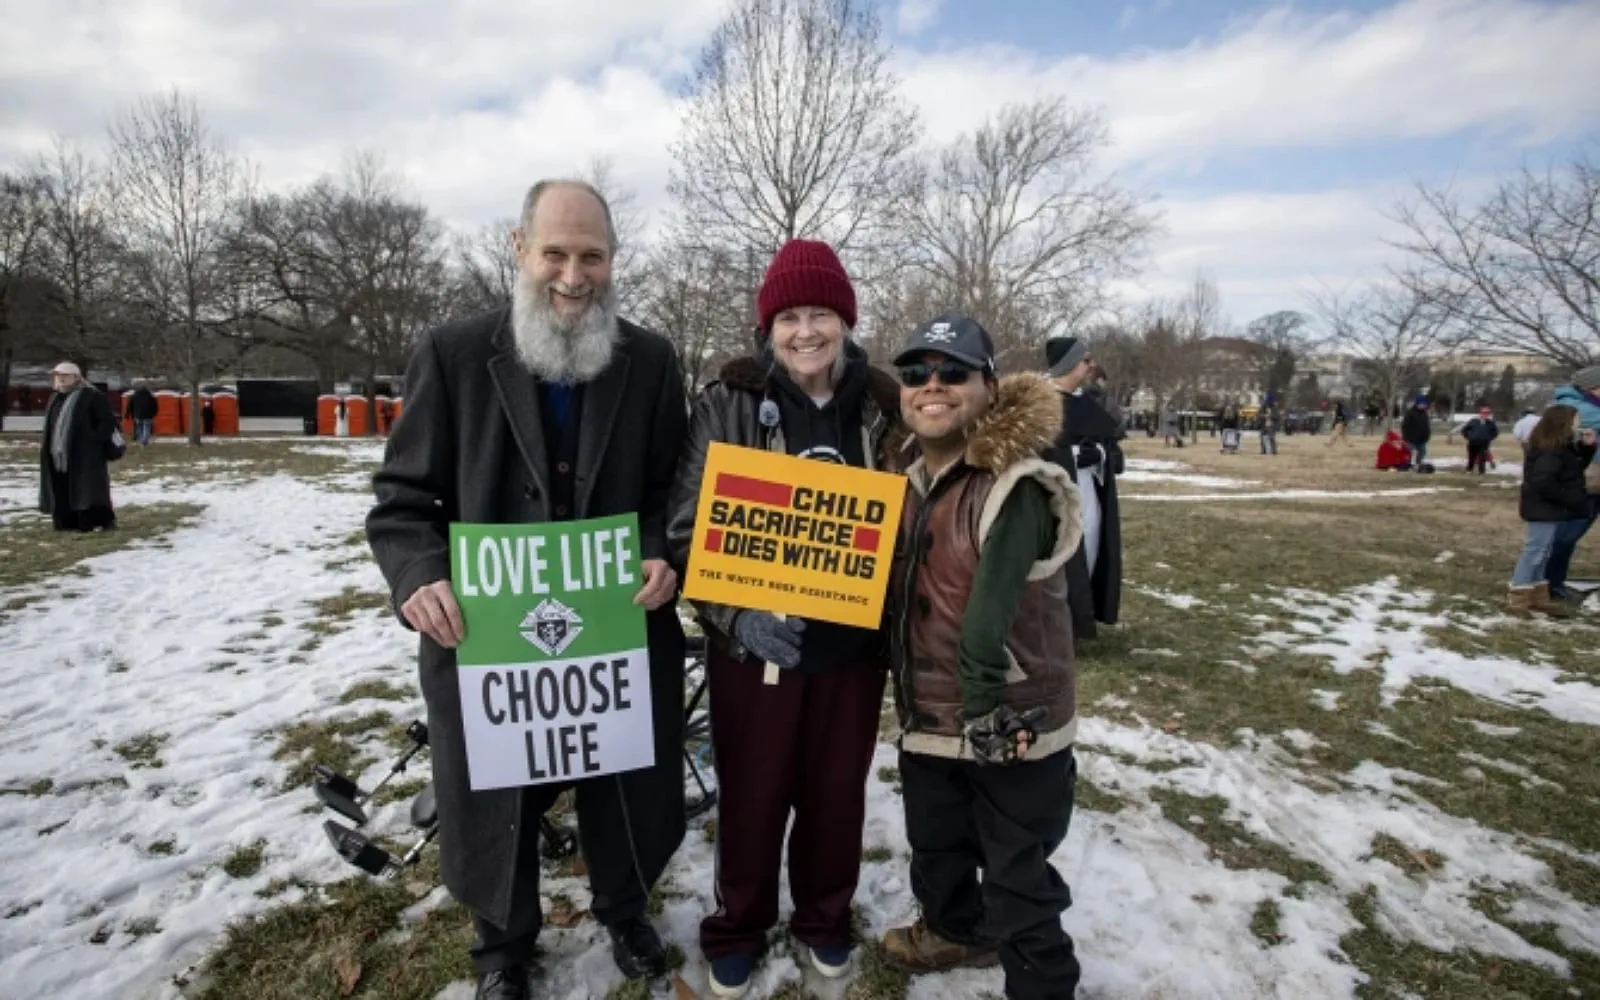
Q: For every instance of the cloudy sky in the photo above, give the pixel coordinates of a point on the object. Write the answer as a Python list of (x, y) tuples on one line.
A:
[(1275, 135)]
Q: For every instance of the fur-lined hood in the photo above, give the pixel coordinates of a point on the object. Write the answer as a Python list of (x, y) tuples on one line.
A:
[(1026, 419)]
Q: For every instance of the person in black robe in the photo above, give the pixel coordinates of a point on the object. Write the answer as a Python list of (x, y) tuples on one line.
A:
[(80, 439), (1088, 449)]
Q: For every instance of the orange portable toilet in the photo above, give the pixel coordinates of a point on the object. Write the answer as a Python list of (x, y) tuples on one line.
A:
[(356, 410), (327, 413), (169, 418), (225, 407), (127, 415), (184, 401)]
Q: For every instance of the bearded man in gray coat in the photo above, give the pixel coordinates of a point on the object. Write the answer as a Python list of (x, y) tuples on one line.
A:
[(552, 410)]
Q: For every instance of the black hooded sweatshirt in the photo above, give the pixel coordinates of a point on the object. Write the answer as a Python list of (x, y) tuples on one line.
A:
[(830, 432)]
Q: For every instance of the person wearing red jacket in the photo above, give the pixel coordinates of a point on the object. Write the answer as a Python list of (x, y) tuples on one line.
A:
[(1393, 453)]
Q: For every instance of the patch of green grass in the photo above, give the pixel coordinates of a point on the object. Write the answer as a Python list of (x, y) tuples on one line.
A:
[(889, 775), (36, 552), (143, 751), (142, 927), (348, 602), (875, 978), (1573, 876), (1090, 796), (327, 741), (23, 909), (1409, 860), (1264, 922), (1397, 967), (1230, 843), (163, 848), (34, 789), (877, 854), (399, 790), (341, 934), (246, 860), (45, 831), (376, 689)]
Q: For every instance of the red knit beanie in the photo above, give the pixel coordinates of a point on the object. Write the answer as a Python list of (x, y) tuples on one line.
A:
[(806, 273)]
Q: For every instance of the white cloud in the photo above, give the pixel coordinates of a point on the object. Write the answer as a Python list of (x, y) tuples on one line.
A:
[(473, 99), (1420, 69), (914, 16), (1270, 251)]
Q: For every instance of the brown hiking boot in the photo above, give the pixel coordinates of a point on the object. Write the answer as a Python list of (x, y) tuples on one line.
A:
[(919, 949), (1547, 605), (1519, 601)]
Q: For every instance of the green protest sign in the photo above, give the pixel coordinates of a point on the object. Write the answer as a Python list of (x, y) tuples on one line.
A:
[(554, 672)]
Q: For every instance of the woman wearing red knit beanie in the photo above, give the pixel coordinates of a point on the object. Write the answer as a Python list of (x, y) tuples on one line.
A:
[(803, 746)]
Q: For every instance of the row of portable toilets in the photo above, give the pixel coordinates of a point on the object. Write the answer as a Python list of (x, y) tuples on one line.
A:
[(173, 414)]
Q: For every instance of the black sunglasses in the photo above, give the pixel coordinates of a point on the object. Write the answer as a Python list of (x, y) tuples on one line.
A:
[(917, 374)]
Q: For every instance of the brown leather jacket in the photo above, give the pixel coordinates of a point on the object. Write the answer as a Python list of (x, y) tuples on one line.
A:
[(942, 530), (728, 410)]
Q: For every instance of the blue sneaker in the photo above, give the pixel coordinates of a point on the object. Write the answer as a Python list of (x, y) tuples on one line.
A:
[(730, 975), (831, 962)]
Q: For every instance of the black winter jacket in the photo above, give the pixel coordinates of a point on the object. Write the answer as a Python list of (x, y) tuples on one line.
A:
[(1416, 427), (1480, 431), (728, 410), (1552, 484)]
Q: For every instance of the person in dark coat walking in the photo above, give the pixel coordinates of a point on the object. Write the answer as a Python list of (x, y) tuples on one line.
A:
[(142, 408), (1479, 433), (80, 439), (801, 747), (1554, 500), (985, 688), (552, 410), (1416, 428), (1089, 449)]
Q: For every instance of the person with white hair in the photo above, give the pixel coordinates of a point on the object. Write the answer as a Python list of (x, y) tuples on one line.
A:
[(80, 440), (552, 409)]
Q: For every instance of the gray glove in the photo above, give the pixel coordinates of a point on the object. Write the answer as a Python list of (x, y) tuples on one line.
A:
[(993, 736), (774, 639)]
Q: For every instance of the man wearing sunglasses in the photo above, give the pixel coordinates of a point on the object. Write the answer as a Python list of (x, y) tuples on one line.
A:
[(983, 664)]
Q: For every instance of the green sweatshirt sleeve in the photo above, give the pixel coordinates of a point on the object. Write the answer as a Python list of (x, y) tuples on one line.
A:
[(1023, 533)]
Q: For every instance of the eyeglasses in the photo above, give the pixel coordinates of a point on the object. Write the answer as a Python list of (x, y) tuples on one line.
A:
[(916, 375)]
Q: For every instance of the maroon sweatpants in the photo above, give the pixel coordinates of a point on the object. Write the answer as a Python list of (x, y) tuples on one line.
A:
[(803, 745)]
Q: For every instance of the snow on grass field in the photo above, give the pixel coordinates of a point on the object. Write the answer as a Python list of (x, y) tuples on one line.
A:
[(1345, 774)]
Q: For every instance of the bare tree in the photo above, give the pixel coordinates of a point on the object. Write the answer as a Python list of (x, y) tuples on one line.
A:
[(1392, 330), (1522, 268), (1282, 341), (1012, 225), (22, 222), (81, 251), (1198, 318), (485, 267), (628, 219), (694, 298), (793, 129), (177, 192)]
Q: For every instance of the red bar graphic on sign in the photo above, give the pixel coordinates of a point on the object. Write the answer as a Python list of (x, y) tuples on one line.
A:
[(865, 539), (713, 539), (753, 490)]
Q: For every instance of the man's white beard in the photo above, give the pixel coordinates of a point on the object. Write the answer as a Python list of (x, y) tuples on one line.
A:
[(557, 349)]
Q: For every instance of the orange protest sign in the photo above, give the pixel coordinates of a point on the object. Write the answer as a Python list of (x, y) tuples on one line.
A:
[(794, 536)]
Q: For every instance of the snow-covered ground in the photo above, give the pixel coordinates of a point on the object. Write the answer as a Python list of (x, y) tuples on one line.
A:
[(196, 641)]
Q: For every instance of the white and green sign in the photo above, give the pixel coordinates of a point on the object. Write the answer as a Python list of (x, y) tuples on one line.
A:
[(554, 673)]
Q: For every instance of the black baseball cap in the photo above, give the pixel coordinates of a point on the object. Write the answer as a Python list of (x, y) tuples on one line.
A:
[(954, 336)]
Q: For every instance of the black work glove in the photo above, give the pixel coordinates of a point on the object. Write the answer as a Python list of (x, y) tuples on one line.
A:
[(1089, 454), (993, 736), (774, 639)]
